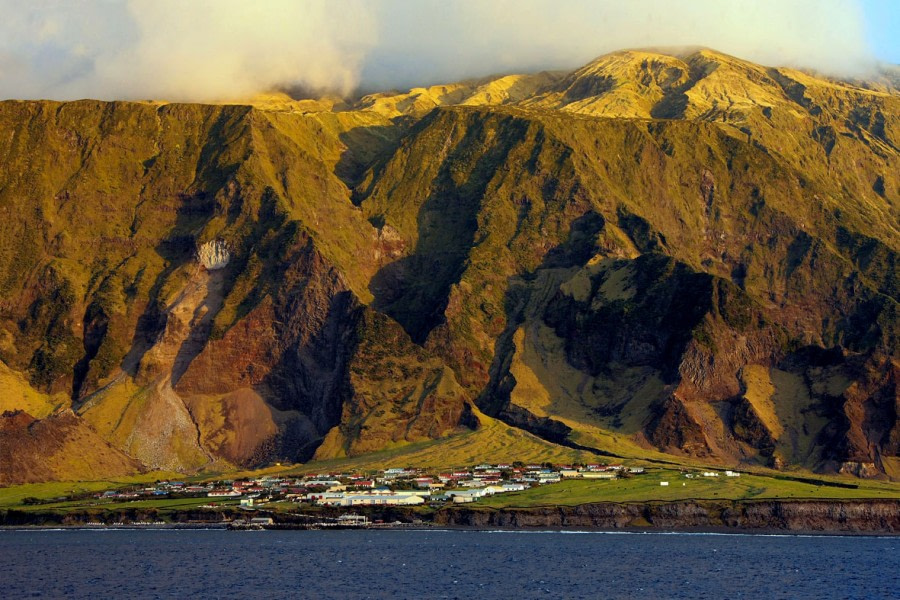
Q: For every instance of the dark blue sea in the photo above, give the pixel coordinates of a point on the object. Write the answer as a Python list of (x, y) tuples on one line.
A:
[(442, 564)]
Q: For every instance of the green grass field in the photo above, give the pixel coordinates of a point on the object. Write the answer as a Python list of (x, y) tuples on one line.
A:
[(647, 487), (162, 504), (12, 496)]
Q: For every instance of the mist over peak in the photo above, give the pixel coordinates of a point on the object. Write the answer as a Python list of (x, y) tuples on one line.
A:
[(215, 50)]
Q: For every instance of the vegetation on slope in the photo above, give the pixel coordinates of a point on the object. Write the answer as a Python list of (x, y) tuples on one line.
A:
[(651, 256)]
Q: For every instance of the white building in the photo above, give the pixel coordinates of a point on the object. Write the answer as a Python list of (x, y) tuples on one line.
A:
[(463, 496), (599, 474), (223, 494), (514, 487), (375, 500)]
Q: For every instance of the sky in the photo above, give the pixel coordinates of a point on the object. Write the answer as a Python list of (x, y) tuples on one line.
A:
[(882, 25), (205, 50)]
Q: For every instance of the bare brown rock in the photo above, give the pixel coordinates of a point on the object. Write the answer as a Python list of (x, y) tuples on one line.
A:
[(61, 447)]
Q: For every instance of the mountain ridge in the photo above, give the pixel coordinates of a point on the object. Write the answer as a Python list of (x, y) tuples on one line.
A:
[(504, 247)]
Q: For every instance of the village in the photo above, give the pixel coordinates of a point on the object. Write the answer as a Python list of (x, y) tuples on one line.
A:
[(291, 497), (390, 487)]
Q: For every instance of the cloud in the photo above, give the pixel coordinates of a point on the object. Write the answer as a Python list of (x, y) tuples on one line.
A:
[(180, 49), (203, 50), (437, 40)]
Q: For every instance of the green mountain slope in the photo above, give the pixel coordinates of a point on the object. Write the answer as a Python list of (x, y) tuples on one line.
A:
[(691, 255)]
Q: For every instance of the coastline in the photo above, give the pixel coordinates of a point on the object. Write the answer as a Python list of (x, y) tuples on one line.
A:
[(831, 516), (764, 517)]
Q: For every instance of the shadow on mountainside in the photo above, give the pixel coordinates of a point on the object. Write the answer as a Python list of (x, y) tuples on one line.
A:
[(177, 249), (414, 290), (521, 305), (651, 330), (365, 147)]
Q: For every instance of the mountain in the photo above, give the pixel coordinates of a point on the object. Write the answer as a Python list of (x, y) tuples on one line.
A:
[(684, 257)]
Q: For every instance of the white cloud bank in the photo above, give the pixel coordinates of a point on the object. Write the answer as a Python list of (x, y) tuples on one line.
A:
[(226, 49)]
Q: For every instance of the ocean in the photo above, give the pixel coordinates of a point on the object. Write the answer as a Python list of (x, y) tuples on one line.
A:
[(442, 564)]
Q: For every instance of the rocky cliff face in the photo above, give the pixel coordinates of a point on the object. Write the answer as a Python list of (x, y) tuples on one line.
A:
[(692, 255), (847, 516)]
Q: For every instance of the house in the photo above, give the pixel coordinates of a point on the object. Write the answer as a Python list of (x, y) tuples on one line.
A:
[(503, 488), (321, 482), (464, 496), (324, 497), (663, 483), (397, 474), (472, 483), (463, 499), (479, 493), (599, 474), (732, 474), (377, 499), (570, 473), (223, 494), (422, 493), (514, 487)]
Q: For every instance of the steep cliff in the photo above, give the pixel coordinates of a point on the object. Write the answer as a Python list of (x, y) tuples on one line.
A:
[(654, 255), (847, 516)]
